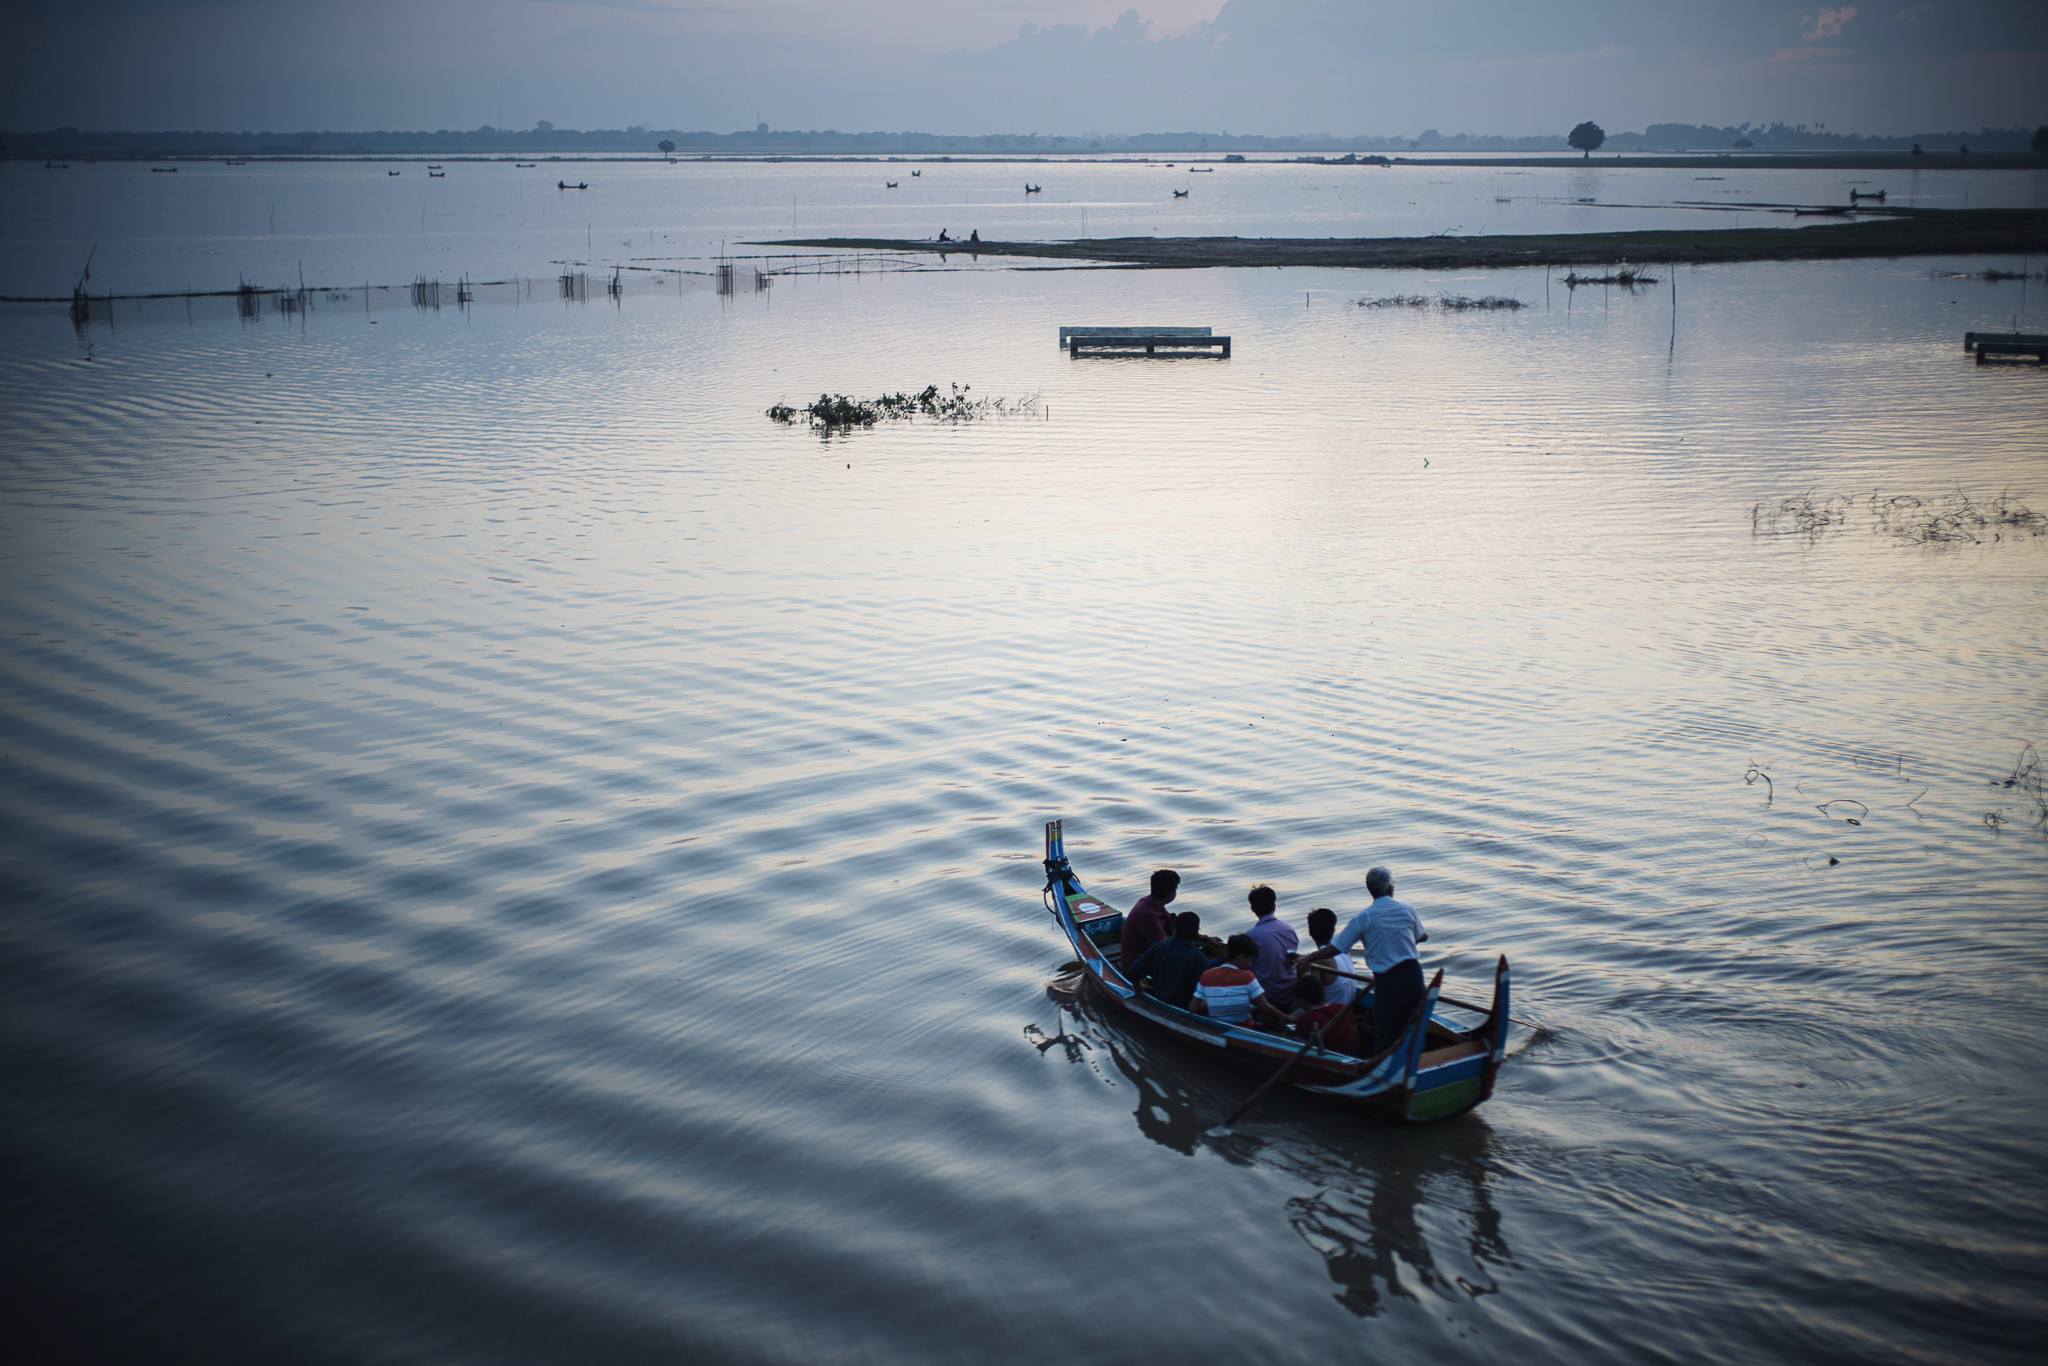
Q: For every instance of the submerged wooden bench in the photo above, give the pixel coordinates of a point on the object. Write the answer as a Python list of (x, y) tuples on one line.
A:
[(2006, 343), (1151, 343), (1067, 334)]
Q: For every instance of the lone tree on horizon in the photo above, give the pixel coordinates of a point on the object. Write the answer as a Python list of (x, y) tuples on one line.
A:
[(666, 145), (1587, 137)]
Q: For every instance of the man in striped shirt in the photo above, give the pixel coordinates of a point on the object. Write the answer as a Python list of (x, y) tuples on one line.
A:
[(1229, 993)]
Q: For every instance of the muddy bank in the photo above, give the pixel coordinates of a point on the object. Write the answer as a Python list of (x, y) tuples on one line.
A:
[(1927, 232)]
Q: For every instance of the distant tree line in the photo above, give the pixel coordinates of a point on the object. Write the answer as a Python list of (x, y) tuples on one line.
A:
[(545, 139)]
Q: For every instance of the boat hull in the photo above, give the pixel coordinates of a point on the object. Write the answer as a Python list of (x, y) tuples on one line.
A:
[(1435, 1071)]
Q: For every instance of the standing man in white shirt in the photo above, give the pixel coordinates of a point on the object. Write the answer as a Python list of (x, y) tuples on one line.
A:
[(1390, 930)]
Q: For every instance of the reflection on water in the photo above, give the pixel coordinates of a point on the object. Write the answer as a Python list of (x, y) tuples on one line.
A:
[(1368, 1182), (512, 855)]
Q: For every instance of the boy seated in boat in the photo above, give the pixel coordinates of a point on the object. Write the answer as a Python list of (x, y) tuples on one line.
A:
[(1322, 928), (1229, 993), (1339, 1026), (1169, 969)]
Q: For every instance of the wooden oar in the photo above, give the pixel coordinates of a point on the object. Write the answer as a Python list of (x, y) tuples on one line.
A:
[(1358, 977), (1315, 1037)]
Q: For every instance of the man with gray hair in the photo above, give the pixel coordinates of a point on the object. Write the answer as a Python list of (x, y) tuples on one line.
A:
[(1390, 930)]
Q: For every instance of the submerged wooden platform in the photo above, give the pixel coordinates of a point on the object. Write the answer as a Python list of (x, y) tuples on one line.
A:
[(1987, 344), (1150, 340), (1067, 334)]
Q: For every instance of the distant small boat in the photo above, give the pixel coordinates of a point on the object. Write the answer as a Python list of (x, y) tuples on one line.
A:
[(1180, 194), (433, 168), (565, 185), (394, 173), (1829, 212), (234, 163), (523, 165), (1201, 170), (889, 184), (1855, 195), (1029, 188), (56, 165), (437, 175), (917, 173), (163, 170)]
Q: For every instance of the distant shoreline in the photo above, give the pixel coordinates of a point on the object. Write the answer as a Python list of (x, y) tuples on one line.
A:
[(1922, 232), (1878, 162)]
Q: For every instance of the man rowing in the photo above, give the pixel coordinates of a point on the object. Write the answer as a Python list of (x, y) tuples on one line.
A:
[(1390, 930)]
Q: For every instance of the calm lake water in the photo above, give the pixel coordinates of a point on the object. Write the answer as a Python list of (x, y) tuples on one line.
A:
[(346, 223), (511, 855)]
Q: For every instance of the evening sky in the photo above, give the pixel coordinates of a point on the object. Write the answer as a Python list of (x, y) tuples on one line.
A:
[(1348, 67)]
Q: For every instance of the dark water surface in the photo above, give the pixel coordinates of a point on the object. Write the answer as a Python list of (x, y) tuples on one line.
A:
[(509, 855)]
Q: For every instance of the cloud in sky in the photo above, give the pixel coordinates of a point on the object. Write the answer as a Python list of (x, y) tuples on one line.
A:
[(1829, 22), (1066, 66)]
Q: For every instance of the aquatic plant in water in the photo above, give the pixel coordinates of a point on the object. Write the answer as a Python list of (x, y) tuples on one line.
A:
[(839, 413), (1448, 303), (1628, 277), (1955, 519)]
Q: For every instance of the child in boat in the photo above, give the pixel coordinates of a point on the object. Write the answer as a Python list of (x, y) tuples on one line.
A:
[(1322, 928), (1230, 992), (1340, 1032)]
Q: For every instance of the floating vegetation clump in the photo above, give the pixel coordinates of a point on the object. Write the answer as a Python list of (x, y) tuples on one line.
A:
[(1957, 519), (1801, 515), (1628, 277), (1447, 303), (839, 413)]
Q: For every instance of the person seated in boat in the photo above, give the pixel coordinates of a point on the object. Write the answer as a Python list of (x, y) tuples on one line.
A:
[(943, 237), (1390, 930), (1334, 1018), (1322, 928), (1276, 940), (1230, 992), (1148, 921), (974, 236), (1169, 970)]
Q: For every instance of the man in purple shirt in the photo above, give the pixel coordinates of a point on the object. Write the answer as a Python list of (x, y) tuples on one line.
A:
[(1146, 923), (1274, 967)]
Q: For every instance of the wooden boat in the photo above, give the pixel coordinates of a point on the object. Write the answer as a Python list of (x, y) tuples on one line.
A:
[(1180, 194), (1029, 188), (565, 185), (1436, 1069)]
